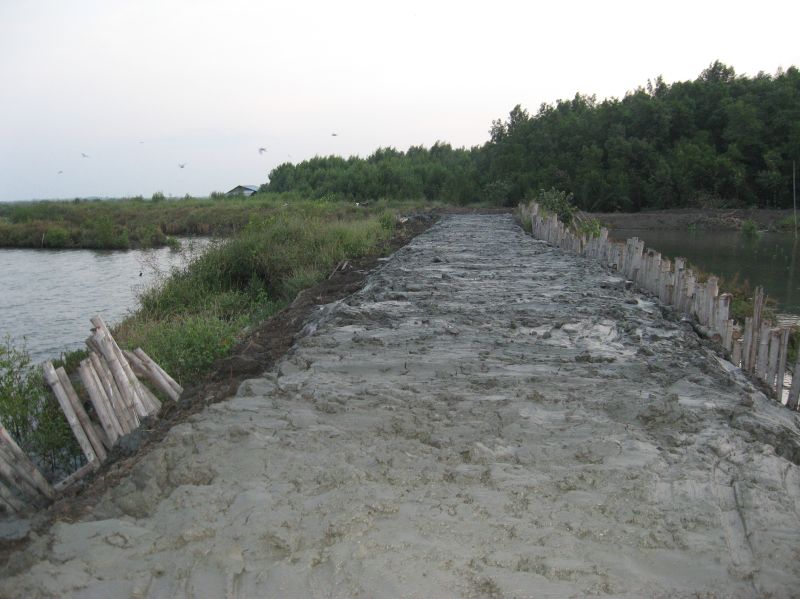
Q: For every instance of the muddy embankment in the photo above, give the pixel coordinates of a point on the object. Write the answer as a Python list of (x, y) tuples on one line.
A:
[(487, 417)]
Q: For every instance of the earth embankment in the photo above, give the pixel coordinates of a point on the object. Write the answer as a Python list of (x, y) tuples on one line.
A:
[(487, 417)]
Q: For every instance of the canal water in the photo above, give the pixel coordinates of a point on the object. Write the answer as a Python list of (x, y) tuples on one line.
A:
[(48, 296), (770, 259)]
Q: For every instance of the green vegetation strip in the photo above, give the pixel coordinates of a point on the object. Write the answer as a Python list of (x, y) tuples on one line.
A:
[(197, 314)]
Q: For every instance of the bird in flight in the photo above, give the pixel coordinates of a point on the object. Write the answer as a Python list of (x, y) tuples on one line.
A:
[(334, 135), (262, 150), (60, 172), (182, 164), (84, 155)]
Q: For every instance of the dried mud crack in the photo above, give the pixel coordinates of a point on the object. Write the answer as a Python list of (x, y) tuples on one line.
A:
[(487, 417)]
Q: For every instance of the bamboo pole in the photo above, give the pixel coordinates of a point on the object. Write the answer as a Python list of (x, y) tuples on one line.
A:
[(763, 351), (75, 476), (772, 360), (784, 354), (747, 343), (25, 464), (100, 401), (83, 417), (736, 352), (758, 307), (51, 378), (11, 500), (148, 400), (794, 390), (160, 372), (125, 412), (14, 477), (120, 376)]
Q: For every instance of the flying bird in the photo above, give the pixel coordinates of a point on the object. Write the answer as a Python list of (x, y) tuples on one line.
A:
[(262, 150), (182, 164), (334, 134), (84, 155), (60, 172)]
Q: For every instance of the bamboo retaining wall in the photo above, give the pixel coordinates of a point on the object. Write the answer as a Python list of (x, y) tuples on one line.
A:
[(758, 347), (117, 401)]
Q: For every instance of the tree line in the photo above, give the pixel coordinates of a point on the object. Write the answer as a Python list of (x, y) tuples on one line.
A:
[(719, 140)]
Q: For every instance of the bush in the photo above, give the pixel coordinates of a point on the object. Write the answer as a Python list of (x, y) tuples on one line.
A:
[(32, 415), (559, 202)]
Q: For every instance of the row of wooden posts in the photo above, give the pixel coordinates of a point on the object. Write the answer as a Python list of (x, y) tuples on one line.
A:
[(758, 347), (119, 401)]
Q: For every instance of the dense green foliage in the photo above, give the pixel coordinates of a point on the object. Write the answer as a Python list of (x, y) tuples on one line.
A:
[(440, 173), (721, 139), (32, 415)]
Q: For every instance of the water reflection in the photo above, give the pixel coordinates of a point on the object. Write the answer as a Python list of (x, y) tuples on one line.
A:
[(770, 259), (48, 296)]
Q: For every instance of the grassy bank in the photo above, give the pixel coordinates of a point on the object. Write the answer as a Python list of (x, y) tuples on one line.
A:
[(198, 313), (129, 223)]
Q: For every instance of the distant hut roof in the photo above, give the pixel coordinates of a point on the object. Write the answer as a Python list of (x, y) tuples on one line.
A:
[(243, 190)]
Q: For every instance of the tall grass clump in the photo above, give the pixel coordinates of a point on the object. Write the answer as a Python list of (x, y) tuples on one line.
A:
[(194, 316)]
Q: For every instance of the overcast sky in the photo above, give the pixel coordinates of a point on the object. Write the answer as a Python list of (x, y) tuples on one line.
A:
[(143, 86)]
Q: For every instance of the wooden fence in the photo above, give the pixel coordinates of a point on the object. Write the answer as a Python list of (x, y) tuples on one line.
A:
[(117, 399), (758, 346)]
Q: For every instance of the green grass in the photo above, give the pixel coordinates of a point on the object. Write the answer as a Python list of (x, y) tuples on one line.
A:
[(196, 315), (129, 223)]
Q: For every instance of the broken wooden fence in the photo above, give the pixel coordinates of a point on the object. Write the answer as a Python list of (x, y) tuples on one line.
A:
[(119, 400), (759, 347)]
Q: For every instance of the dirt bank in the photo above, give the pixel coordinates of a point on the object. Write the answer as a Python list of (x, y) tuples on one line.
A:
[(487, 417), (683, 220)]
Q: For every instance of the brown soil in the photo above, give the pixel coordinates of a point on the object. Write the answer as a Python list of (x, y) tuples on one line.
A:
[(682, 219)]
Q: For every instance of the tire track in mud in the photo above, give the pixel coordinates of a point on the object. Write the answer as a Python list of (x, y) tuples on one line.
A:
[(487, 417)]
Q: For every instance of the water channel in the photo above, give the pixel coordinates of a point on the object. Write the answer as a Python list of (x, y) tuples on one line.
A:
[(48, 296), (770, 259)]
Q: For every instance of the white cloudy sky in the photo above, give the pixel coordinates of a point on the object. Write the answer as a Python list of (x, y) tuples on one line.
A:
[(141, 86)]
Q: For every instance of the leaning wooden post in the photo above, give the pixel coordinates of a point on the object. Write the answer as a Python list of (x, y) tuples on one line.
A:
[(794, 390), (11, 500), (25, 464), (51, 378), (736, 352), (125, 413), (747, 343), (100, 402), (15, 478), (763, 351), (83, 417), (783, 355), (758, 308), (772, 360)]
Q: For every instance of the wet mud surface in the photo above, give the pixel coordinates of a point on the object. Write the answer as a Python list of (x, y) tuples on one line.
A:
[(487, 417)]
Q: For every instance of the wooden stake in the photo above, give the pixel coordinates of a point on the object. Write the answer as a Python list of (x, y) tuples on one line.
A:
[(14, 503), (83, 417), (772, 360), (794, 390), (175, 389), (126, 415), (101, 403), (51, 378), (25, 464), (782, 363), (14, 477)]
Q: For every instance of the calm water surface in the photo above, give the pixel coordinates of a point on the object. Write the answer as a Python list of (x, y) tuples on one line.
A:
[(48, 296), (771, 260)]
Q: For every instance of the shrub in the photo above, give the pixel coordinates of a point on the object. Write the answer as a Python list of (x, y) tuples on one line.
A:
[(559, 202), (32, 415)]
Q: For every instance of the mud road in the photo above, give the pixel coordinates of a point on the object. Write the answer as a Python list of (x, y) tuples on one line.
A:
[(487, 417)]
